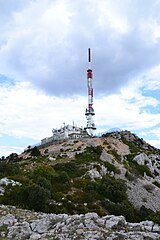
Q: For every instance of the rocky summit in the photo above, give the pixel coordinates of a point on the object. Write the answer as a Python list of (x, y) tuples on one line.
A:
[(22, 224), (92, 188)]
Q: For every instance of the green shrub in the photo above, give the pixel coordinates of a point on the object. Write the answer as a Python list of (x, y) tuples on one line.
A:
[(44, 183), (136, 168), (113, 152), (70, 168), (13, 157), (143, 169), (91, 154), (60, 187), (133, 145), (144, 213), (7, 169), (81, 209), (93, 186), (42, 171), (29, 197), (155, 217), (35, 197), (63, 177), (35, 152), (57, 209), (114, 190), (81, 183), (124, 208), (12, 196), (111, 168)]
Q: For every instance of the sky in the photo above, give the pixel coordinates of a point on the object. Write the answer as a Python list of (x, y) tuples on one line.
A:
[(43, 64)]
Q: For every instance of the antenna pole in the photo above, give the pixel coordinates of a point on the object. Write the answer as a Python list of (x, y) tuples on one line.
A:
[(90, 111)]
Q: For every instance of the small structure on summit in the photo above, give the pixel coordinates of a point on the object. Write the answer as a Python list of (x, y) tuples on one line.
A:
[(66, 132)]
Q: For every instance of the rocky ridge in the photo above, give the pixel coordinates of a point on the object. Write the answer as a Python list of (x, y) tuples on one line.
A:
[(22, 224)]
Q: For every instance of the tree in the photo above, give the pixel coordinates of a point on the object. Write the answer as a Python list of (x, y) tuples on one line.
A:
[(13, 157), (35, 152), (36, 197)]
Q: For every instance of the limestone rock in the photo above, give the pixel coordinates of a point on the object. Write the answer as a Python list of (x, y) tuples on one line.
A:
[(22, 224)]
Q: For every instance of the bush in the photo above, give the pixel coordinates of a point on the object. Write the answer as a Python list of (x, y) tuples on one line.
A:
[(35, 197), (63, 177), (81, 183), (43, 171), (81, 209), (44, 183), (111, 168), (133, 145), (155, 217), (12, 196), (91, 154), (13, 157), (144, 213), (126, 209), (29, 197), (7, 169), (114, 190), (71, 169), (35, 152)]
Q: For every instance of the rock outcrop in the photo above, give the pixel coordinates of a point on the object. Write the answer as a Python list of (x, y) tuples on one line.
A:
[(22, 224)]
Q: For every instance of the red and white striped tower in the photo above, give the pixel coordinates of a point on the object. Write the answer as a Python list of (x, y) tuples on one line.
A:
[(90, 111)]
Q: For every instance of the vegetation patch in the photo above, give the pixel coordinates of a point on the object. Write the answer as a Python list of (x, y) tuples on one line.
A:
[(8, 168), (136, 168), (90, 154), (111, 168)]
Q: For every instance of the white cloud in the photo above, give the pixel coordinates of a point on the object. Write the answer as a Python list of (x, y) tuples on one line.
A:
[(48, 50), (26, 112), (7, 150), (115, 111), (155, 143)]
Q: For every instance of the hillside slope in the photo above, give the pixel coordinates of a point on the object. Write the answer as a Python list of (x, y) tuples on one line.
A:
[(118, 174)]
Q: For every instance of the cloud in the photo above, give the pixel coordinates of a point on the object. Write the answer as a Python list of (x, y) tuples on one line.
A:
[(50, 51), (7, 150), (26, 112)]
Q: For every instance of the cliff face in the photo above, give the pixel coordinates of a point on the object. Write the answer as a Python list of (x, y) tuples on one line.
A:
[(117, 174)]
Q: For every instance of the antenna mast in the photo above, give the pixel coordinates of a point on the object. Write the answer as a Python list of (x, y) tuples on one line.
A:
[(90, 111)]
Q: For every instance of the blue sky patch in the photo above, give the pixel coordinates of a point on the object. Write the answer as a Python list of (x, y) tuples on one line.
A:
[(6, 80)]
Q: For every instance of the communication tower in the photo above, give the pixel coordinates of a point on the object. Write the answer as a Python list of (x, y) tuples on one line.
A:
[(90, 127)]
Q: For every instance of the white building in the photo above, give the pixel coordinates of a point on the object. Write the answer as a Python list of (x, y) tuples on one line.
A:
[(66, 132)]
